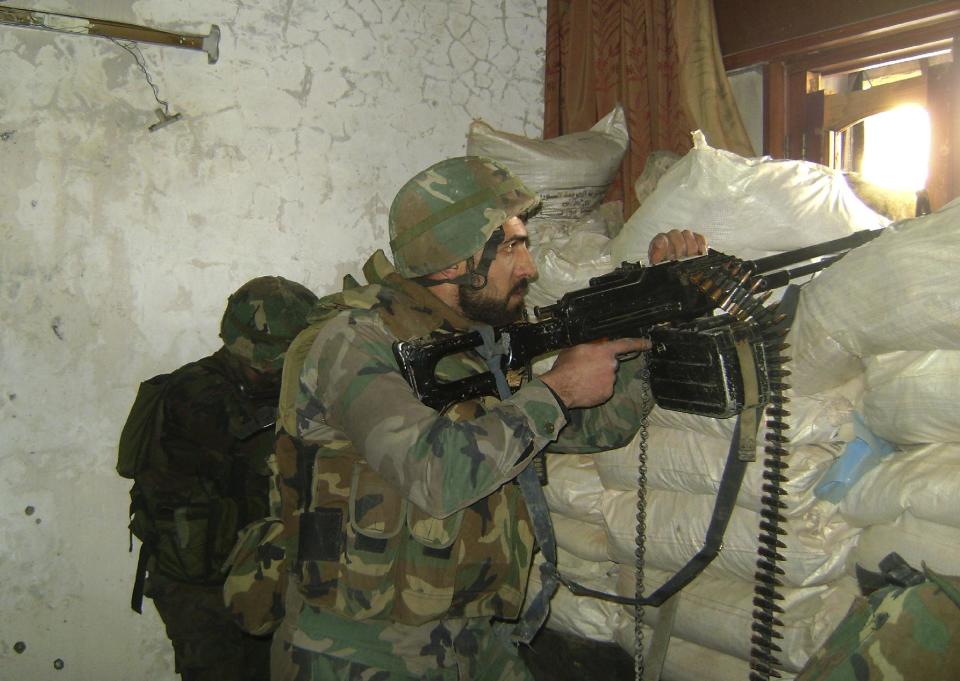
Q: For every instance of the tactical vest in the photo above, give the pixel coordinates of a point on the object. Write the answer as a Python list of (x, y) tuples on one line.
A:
[(364, 551)]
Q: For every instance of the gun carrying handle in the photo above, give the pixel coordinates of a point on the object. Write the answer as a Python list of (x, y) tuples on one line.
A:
[(417, 361)]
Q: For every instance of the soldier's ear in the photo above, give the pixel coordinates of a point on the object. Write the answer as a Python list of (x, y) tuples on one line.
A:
[(449, 273)]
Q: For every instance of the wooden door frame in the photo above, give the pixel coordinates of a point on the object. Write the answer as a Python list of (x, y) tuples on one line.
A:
[(792, 68)]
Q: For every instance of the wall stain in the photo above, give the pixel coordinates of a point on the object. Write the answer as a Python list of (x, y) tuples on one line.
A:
[(55, 325), (29, 510), (6, 135)]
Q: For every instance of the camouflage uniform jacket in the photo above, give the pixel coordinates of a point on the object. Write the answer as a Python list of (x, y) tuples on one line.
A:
[(905, 633), (405, 514), (209, 476)]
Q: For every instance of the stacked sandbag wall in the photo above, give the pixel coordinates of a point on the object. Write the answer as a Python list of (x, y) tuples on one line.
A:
[(850, 381), (891, 310)]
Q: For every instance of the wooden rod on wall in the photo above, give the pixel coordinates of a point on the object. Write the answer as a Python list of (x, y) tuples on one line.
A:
[(114, 30)]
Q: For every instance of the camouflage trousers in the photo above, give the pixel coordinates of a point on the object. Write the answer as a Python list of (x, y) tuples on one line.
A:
[(316, 645), (207, 643)]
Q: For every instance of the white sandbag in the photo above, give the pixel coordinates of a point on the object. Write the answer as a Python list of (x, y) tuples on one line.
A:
[(922, 479), (912, 397), (688, 661), (571, 173), (819, 362), (915, 540), (898, 292), (555, 232), (655, 167), (568, 265), (684, 461), (818, 540), (896, 204), (718, 613), (746, 207), (585, 540), (603, 574), (814, 418), (573, 487)]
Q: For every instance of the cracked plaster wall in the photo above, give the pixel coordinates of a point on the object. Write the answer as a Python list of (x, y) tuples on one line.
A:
[(120, 246)]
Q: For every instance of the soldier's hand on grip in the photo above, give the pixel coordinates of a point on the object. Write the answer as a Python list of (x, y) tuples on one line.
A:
[(583, 376)]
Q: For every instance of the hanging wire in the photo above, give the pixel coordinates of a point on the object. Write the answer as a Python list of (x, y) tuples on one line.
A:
[(134, 50), (131, 47), (137, 55)]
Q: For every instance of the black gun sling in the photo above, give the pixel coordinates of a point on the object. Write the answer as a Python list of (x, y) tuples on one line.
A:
[(727, 492), (743, 441), (550, 577)]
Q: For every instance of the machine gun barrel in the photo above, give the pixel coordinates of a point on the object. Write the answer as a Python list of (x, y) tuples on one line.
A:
[(835, 247)]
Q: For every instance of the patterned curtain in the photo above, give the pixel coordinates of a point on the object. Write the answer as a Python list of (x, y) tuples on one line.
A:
[(659, 58)]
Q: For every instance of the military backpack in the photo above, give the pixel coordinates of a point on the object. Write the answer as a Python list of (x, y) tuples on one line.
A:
[(188, 523)]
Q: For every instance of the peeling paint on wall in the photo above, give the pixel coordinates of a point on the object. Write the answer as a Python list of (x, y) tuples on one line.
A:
[(121, 245)]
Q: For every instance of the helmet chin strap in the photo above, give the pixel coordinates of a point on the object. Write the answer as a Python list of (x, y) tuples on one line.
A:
[(476, 275)]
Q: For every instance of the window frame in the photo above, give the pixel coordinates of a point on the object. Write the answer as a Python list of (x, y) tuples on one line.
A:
[(794, 114)]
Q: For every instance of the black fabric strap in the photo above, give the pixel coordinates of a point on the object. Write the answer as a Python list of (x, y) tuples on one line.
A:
[(139, 581), (550, 577), (492, 352), (476, 276), (730, 483), (539, 606), (487, 257)]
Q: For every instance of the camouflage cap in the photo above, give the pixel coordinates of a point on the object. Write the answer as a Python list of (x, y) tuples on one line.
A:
[(262, 317), (446, 213)]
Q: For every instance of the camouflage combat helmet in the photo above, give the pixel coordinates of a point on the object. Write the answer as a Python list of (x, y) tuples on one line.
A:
[(446, 213), (262, 317)]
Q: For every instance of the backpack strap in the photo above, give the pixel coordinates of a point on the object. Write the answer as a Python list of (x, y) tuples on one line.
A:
[(139, 580)]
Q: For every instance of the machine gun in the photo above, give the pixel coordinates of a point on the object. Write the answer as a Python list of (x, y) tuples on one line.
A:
[(698, 356), (717, 351)]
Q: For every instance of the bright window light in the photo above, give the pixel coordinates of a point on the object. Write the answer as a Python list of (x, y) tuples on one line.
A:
[(897, 148)]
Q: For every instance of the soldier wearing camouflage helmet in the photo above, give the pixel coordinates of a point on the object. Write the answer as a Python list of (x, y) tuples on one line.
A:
[(262, 317), (196, 444), (397, 528)]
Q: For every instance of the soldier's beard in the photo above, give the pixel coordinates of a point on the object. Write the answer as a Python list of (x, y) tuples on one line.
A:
[(482, 306)]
